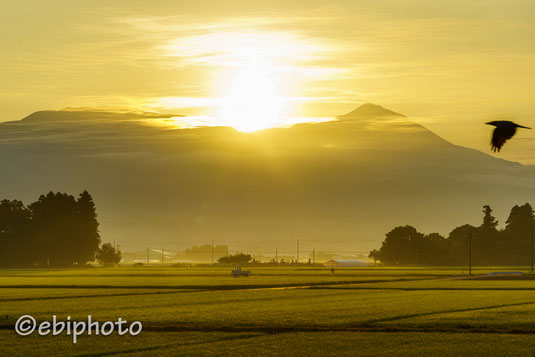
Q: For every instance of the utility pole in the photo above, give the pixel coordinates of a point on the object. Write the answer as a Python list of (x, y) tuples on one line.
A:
[(147, 256), (470, 255), (531, 247), (212, 252), (297, 261), (162, 255)]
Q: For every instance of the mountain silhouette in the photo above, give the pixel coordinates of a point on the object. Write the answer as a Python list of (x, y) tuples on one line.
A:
[(371, 110), (91, 115), (350, 179)]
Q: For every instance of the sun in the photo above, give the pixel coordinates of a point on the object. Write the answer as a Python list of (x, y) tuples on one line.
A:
[(252, 102)]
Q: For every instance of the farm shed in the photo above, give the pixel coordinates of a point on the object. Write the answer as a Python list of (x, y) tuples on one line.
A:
[(342, 263)]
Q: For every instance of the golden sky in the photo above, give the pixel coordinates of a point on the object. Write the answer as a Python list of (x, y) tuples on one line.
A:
[(450, 65)]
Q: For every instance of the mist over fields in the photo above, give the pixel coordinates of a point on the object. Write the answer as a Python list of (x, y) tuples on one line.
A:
[(348, 180)]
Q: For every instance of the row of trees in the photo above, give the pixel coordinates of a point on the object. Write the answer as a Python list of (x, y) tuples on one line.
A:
[(236, 259), (203, 253), (58, 230), (490, 245)]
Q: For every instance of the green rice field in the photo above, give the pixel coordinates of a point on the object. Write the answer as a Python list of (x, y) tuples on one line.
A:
[(277, 311)]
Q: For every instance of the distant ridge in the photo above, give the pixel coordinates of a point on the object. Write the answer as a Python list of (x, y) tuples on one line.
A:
[(351, 179), (70, 114), (371, 110)]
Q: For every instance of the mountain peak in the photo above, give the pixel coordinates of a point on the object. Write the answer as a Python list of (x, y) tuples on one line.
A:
[(371, 110)]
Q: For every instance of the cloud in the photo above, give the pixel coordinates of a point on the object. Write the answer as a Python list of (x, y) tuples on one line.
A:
[(241, 48)]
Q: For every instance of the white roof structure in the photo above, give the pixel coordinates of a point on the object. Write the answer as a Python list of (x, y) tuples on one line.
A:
[(342, 263)]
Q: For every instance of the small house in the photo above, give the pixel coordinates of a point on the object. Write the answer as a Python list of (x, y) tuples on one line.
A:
[(345, 263)]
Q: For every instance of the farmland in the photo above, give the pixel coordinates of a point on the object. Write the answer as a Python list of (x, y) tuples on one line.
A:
[(186, 311)]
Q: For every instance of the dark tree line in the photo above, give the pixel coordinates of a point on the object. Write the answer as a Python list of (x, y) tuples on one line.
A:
[(203, 252), (236, 259), (490, 245), (58, 230)]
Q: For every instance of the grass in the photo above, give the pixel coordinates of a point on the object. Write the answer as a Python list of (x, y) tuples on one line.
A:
[(285, 344), (196, 311)]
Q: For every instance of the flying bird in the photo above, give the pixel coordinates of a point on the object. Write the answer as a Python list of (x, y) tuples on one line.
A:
[(504, 131)]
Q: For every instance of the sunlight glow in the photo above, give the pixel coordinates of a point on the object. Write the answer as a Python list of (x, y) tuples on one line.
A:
[(256, 77), (254, 74), (252, 102)]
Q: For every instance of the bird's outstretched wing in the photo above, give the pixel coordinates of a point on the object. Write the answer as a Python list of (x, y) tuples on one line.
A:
[(500, 135)]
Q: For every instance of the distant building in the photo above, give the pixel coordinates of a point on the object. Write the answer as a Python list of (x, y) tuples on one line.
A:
[(342, 263)]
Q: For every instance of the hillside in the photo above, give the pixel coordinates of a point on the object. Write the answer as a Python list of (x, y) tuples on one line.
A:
[(335, 185)]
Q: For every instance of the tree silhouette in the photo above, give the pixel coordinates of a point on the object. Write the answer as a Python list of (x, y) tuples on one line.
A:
[(486, 241), (517, 234), (203, 252), (236, 259), (402, 246), (489, 221), (375, 255), (458, 241), (15, 239), (65, 228), (435, 250), (87, 228), (108, 255), (490, 246)]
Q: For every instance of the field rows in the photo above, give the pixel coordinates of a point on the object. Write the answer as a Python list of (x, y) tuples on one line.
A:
[(183, 314)]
